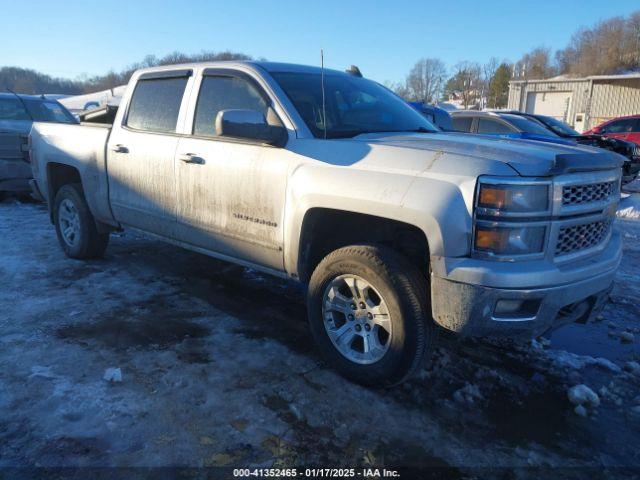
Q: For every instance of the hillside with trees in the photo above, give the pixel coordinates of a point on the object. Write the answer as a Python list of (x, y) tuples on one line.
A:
[(609, 47), (22, 80)]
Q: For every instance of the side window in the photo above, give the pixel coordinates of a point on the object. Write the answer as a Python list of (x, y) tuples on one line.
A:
[(219, 93), (486, 125), (155, 104), (462, 124), (619, 126)]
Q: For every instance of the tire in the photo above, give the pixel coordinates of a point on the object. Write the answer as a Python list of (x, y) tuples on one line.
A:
[(71, 210), (382, 277)]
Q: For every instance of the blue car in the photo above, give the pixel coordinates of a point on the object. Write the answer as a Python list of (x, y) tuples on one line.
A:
[(506, 125), (438, 116)]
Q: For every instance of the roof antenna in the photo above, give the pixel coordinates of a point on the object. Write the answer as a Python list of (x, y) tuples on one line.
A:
[(324, 110), (24, 105)]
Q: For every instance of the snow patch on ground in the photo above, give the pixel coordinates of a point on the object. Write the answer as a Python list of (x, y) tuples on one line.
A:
[(629, 208), (633, 187)]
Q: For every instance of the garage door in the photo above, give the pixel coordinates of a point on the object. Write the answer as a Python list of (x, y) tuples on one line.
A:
[(553, 104)]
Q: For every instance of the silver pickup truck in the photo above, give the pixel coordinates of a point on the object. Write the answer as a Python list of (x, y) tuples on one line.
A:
[(330, 179)]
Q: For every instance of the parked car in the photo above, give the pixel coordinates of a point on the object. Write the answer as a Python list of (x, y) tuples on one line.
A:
[(507, 125), (436, 115), (630, 150), (392, 226), (624, 128), (17, 113)]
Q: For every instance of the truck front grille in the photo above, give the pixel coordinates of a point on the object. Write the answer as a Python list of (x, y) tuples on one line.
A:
[(581, 237), (582, 194)]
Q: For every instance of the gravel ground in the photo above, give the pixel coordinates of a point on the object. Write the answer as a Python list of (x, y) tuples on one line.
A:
[(218, 370)]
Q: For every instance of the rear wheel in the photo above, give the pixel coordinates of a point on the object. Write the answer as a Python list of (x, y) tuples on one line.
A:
[(75, 225), (370, 315)]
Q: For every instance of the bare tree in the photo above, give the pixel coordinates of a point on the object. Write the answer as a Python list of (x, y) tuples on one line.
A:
[(466, 84), (488, 72), (426, 80), (535, 64), (609, 47)]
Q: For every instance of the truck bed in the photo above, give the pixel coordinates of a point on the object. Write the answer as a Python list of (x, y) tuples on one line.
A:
[(81, 147)]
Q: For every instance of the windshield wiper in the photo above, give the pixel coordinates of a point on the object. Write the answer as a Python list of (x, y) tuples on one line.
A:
[(355, 133), (409, 130), (420, 130)]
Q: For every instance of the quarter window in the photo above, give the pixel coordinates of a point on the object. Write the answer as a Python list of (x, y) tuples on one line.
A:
[(155, 104), (219, 93)]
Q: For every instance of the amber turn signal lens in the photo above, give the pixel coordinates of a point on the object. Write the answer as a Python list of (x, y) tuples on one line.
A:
[(493, 197), (493, 240)]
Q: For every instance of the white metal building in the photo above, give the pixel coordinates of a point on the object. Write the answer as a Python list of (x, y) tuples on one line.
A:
[(581, 102)]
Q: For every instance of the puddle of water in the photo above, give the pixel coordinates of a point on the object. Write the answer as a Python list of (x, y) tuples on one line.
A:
[(593, 341), (150, 324)]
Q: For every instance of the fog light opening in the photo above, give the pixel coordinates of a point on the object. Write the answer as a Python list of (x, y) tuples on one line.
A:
[(516, 308)]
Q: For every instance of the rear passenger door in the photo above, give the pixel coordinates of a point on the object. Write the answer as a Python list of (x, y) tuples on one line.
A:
[(231, 192), (141, 152)]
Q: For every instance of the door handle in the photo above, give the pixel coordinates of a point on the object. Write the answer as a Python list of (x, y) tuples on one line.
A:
[(118, 148), (191, 158)]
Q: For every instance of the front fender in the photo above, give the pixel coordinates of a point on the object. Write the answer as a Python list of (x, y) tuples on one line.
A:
[(426, 203)]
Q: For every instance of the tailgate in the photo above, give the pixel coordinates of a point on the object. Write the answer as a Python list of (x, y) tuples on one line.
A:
[(11, 146)]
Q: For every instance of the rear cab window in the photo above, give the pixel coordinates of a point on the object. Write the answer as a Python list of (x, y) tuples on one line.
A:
[(13, 109), (155, 103)]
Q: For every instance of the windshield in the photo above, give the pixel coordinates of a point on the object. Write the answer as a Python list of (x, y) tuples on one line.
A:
[(354, 105), (557, 126), (528, 126), (48, 111)]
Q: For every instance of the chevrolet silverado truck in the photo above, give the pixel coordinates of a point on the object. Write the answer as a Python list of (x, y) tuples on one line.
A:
[(324, 177)]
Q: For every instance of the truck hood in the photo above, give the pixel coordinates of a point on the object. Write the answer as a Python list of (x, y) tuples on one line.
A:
[(526, 157)]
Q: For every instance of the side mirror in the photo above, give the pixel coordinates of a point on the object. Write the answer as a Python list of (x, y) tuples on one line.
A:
[(250, 125)]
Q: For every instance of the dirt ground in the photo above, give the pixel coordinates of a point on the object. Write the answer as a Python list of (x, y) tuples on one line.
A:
[(218, 370)]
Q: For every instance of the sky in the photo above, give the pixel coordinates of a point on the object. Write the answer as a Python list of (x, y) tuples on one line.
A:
[(383, 38)]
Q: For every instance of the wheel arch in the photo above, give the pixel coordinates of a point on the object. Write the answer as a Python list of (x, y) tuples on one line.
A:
[(321, 229)]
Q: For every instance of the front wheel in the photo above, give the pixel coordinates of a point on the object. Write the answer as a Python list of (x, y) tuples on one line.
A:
[(75, 225), (369, 313)]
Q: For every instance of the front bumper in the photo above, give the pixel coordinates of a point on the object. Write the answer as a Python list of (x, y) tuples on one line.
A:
[(469, 308)]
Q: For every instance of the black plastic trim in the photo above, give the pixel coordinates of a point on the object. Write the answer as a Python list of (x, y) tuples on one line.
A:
[(166, 74)]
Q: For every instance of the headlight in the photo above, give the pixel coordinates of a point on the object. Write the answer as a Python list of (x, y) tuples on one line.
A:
[(514, 198), (506, 240)]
